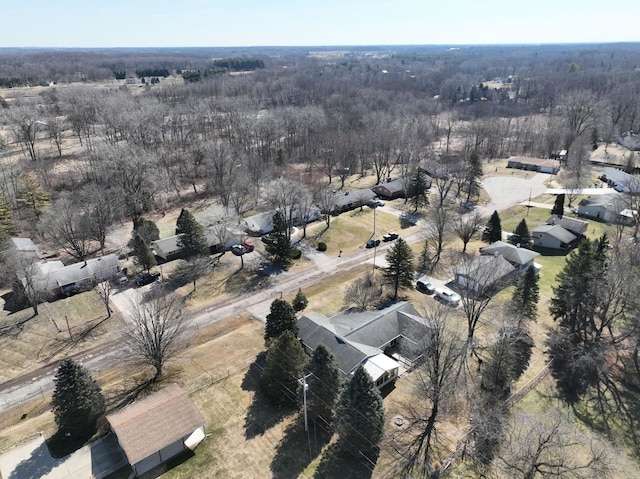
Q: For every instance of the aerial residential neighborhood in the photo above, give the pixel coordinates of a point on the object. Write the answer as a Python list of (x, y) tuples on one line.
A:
[(361, 262)]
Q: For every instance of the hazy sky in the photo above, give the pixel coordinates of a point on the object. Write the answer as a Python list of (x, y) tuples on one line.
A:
[(164, 23)]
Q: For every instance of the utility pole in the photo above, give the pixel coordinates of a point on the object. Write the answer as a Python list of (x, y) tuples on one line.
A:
[(305, 386), (375, 246)]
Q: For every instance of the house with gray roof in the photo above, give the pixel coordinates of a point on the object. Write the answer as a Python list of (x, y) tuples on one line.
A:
[(351, 199), (54, 278), (602, 207), (621, 181), (553, 237), (485, 274), (382, 341), (25, 248), (262, 223), (573, 225), (520, 258)]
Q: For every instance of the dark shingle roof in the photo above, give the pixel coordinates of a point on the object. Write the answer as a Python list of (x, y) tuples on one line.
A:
[(511, 253)]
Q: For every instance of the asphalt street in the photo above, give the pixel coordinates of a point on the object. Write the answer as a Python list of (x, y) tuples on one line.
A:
[(504, 192)]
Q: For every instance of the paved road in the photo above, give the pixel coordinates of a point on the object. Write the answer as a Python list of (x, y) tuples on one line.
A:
[(503, 191)]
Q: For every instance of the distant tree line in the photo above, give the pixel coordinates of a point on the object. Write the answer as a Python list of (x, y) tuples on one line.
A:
[(239, 64)]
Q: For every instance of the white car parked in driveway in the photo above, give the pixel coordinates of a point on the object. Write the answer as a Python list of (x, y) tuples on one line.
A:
[(448, 296)]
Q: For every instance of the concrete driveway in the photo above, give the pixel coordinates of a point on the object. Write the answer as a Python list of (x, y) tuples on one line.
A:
[(505, 192), (32, 460)]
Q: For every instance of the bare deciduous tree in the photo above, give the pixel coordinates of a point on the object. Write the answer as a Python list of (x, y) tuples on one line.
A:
[(547, 447), (364, 292), (435, 386), (156, 331), (465, 226)]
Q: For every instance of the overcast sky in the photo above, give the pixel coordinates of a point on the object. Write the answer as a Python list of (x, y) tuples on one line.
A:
[(185, 23)]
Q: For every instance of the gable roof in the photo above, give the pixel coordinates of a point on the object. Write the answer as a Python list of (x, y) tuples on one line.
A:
[(358, 197), (395, 186), (557, 232), (510, 252), (574, 225), (485, 270), (347, 355), (167, 245), (156, 421), (353, 336), (602, 200)]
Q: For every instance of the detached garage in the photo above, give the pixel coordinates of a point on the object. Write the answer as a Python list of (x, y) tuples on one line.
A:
[(157, 428)]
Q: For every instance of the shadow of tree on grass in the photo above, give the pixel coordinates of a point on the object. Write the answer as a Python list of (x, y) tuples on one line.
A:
[(297, 449), (337, 463), (261, 415)]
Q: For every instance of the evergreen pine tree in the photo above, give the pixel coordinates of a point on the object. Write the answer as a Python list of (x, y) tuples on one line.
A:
[(77, 401), (284, 363), (359, 417), (324, 384), (144, 257), (417, 190), (192, 239), (524, 301), (280, 248), (400, 272), (6, 227), (493, 230), (300, 302), (281, 318), (498, 370), (558, 205), (521, 236)]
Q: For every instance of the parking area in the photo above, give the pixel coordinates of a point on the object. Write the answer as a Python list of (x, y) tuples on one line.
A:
[(32, 460)]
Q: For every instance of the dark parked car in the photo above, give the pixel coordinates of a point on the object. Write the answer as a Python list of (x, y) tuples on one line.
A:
[(372, 243), (390, 236), (146, 278), (424, 286)]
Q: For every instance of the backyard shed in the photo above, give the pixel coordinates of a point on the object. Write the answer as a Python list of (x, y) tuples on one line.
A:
[(157, 428)]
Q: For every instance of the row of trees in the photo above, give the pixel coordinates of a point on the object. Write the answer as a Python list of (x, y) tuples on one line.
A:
[(353, 409)]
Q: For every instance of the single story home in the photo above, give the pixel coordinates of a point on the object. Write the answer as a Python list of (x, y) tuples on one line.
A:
[(392, 189), (397, 188), (553, 237), (157, 428), (621, 181), (382, 341), (262, 223), (26, 249), (168, 248), (602, 207), (520, 258), (534, 164), (54, 278), (573, 225), (351, 199), (485, 274)]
